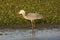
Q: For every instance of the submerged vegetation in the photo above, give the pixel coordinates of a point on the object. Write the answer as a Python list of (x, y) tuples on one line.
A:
[(9, 9)]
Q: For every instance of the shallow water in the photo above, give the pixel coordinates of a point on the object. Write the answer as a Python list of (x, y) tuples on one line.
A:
[(25, 34)]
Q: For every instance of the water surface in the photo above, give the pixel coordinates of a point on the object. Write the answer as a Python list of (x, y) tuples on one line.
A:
[(28, 34)]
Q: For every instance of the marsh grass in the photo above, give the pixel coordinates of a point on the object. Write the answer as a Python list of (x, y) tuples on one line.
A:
[(50, 9)]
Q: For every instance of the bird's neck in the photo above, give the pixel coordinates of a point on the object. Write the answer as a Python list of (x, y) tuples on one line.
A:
[(24, 15)]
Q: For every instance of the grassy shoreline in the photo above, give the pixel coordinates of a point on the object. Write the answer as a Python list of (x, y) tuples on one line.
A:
[(47, 26)]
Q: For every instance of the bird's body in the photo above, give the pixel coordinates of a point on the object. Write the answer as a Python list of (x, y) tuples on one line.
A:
[(31, 16)]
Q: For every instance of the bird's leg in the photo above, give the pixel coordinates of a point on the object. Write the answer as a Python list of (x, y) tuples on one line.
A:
[(33, 24)]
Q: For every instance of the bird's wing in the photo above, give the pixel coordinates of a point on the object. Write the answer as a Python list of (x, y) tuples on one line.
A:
[(34, 15)]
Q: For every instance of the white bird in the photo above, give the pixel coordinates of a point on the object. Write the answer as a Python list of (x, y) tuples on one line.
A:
[(31, 17)]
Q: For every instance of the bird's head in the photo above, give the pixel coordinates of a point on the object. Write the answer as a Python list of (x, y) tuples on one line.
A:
[(21, 12)]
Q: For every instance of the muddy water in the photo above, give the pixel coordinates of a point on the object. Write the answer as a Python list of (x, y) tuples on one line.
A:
[(25, 34)]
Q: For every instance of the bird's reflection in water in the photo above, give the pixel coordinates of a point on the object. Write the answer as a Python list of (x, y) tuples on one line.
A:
[(33, 34)]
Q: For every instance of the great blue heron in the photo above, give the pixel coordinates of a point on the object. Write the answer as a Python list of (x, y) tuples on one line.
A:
[(31, 17)]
